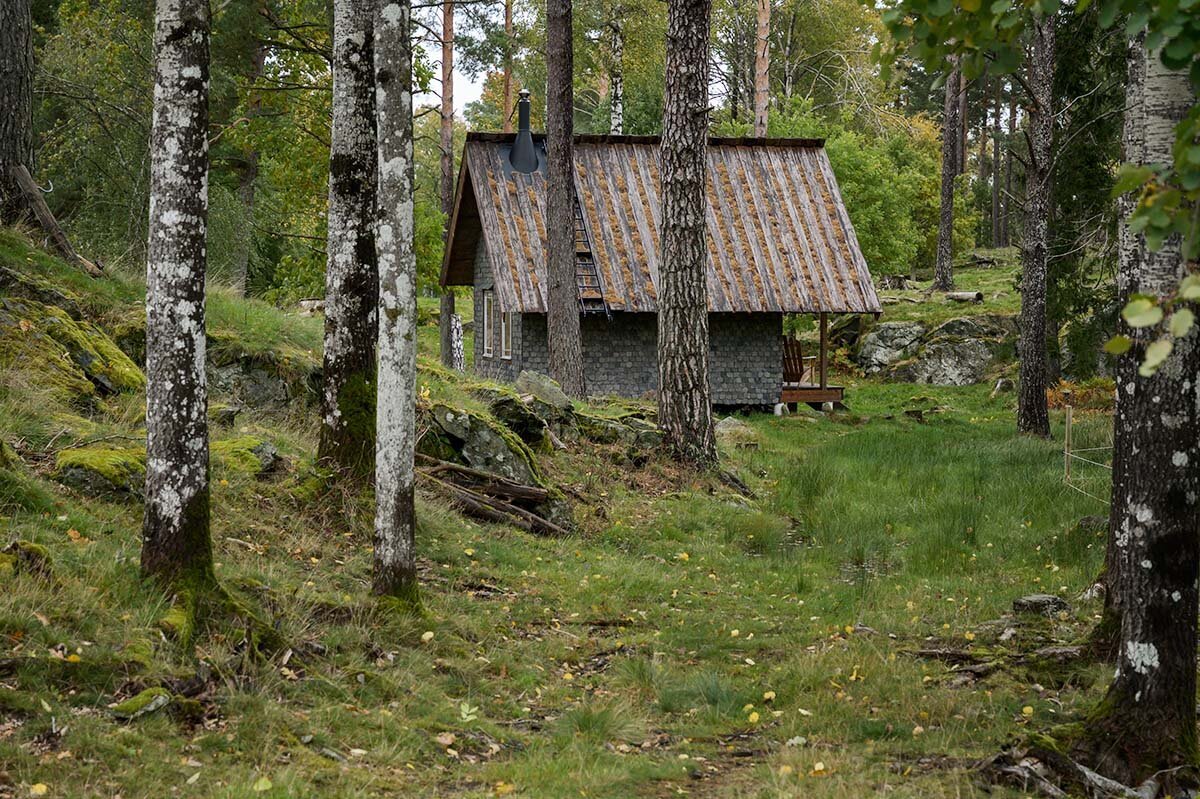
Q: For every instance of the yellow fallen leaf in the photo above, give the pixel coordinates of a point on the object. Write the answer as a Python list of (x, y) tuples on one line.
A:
[(263, 784), (1027, 711), (753, 717), (39, 789), (427, 636), (768, 696)]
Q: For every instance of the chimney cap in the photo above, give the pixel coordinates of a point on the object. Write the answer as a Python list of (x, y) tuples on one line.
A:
[(524, 93)]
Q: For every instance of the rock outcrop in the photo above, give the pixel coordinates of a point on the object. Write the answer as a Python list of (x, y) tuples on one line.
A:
[(958, 352)]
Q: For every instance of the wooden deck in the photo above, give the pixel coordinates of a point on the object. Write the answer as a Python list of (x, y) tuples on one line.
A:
[(804, 376)]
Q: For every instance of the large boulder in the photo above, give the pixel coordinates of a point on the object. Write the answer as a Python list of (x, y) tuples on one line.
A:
[(487, 446), (888, 343), (946, 362), (543, 388)]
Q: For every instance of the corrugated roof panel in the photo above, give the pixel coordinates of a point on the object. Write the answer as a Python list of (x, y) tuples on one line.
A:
[(779, 238)]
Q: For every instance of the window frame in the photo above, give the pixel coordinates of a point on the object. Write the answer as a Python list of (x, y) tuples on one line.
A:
[(506, 335), (489, 312)]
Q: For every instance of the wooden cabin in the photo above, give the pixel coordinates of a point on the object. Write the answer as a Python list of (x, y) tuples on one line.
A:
[(779, 242)]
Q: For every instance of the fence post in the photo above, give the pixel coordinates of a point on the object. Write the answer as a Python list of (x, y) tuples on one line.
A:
[(1067, 439)]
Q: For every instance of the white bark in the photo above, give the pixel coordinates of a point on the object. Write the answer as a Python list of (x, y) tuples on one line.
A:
[(175, 527), (395, 565), (351, 282), (616, 77)]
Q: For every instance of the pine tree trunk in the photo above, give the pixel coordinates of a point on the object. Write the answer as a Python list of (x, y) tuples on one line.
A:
[(684, 407), (247, 183), (16, 103), (1130, 249), (1008, 165), (395, 572), (943, 273), (351, 278), (176, 546), (247, 187), (997, 239), (962, 123), (762, 67), (1032, 414), (446, 187), (508, 81), (1147, 722), (562, 295), (616, 78)]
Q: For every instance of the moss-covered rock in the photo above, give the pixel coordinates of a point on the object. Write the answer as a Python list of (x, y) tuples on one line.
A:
[(76, 359), (15, 283), (26, 557), (128, 332), (100, 469), (145, 703), (247, 455), (486, 445)]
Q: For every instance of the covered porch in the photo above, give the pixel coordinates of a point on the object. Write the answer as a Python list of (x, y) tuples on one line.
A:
[(806, 376)]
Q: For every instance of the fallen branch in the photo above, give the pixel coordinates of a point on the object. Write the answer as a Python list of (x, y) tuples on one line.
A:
[(964, 296), (496, 510), (58, 237), (486, 482)]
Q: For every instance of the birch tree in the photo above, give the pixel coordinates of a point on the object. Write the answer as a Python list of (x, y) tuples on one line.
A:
[(351, 279), (446, 179), (1146, 725), (616, 74), (684, 406), (562, 294), (395, 571), (1032, 415), (943, 274), (176, 546), (16, 102), (762, 67)]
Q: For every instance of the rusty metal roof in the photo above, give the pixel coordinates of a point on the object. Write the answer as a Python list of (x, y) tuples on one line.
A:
[(779, 238)]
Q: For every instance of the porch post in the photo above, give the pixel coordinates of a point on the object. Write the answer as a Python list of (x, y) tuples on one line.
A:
[(824, 339)]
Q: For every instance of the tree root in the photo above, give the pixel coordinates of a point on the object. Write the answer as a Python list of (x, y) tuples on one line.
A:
[(1054, 764), (207, 603)]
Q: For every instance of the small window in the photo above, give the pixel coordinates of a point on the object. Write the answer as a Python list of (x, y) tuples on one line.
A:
[(488, 313), (506, 336)]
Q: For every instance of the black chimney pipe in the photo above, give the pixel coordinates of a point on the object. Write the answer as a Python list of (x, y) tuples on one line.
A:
[(523, 156)]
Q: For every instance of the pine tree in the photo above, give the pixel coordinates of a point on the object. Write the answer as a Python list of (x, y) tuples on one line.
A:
[(176, 546), (1032, 414), (395, 569), (351, 278), (562, 294), (943, 275), (762, 67), (16, 102), (446, 180), (684, 407)]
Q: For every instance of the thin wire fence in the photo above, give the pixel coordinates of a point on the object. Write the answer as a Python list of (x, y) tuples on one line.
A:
[(1086, 469)]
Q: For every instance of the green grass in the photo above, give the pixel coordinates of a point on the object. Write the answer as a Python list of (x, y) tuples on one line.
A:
[(998, 283), (687, 640)]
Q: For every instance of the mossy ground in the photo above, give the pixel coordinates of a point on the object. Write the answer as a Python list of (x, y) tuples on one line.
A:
[(686, 642)]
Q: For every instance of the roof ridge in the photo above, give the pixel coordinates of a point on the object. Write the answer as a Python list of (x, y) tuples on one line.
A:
[(612, 138)]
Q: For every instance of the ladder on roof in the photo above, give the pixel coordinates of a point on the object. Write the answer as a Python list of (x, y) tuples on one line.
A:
[(587, 277)]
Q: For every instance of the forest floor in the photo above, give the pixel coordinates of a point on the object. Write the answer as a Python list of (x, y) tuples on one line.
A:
[(686, 642)]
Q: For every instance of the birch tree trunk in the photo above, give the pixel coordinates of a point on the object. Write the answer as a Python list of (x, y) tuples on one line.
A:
[(997, 241), (176, 546), (762, 67), (508, 81), (1008, 165), (395, 569), (351, 277), (1130, 249), (1032, 415), (1147, 722), (562, 294), (616, 77), (684, 407), (16, 103), (943, 273), (446, 183)]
